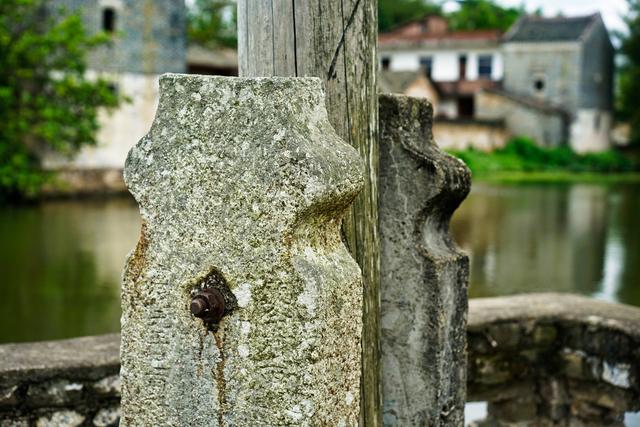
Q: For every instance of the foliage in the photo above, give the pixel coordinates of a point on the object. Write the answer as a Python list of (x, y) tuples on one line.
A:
[(46, 100), (521, 154), (484, 15), (392, 13), (629, 84), (213, 23), (472, 14)]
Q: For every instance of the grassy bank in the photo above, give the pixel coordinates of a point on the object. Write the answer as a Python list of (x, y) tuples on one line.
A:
[(521, 160)]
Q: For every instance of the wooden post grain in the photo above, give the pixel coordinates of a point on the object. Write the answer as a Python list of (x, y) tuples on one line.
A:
[(336, 41)]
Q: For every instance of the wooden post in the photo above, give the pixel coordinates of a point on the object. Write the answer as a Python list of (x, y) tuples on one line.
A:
[(336, 41)]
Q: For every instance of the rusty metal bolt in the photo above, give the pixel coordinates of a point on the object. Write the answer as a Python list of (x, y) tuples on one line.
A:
[(208, 305)]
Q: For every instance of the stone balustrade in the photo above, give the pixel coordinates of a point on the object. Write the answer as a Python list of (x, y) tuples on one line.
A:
[(541, 359), (61, 383), (553, 360)]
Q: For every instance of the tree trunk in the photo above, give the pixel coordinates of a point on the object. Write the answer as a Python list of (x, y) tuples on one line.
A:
[(336, 41)]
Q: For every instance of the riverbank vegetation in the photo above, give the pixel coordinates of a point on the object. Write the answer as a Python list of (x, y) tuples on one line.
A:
[(521, 159), (469, 15), (628, 108)]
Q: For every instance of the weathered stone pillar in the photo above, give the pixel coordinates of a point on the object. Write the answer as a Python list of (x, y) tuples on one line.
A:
[(423, 275), (334, 40), (242, 184)]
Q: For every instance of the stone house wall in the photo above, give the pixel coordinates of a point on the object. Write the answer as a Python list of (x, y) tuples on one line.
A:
[(149, 36), (547, 127), (464, 134), (149, 39), (558, 65)]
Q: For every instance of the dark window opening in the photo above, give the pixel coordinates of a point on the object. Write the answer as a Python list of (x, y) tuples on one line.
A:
[(386, 62), (462, 67), (175, 26), (426, 63), (466, 107), (485, 66), (538, 84), (108, 19), (113, 88)]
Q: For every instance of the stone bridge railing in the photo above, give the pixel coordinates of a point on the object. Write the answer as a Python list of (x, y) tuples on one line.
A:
[(552, 359), (61, 383), (544, 359)]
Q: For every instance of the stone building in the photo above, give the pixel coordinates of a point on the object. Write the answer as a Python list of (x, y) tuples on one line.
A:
[(148, 39), (459, 63), (563, 63), (550, 79), (424, 58)]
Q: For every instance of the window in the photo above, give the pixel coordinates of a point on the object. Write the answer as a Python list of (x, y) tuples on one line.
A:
[(466, 107), (426, 63), (113, 88), (386, 62), (462, 67), (485, 66), (538, 84), (108, 19)]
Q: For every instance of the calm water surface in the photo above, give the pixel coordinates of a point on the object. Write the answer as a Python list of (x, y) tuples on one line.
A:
[(60, 262), (60, 266), (567, 238)]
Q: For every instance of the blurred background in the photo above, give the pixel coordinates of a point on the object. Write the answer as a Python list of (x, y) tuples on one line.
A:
[(538, 97)]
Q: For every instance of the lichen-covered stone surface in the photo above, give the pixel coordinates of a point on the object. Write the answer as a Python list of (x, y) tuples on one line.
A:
[(242, 184), (423, 275)]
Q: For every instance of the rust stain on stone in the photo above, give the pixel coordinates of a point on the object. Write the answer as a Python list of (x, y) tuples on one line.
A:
[(137, 261), (220, 381)]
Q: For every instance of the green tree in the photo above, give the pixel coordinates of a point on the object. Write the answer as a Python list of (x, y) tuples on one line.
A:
[(484, 15), (213, 23), (392, 13), (46, 100), (629, 76)]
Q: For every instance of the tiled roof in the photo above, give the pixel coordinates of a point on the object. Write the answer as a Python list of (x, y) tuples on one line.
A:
[(539, 29), (464, 87), (388, 38)]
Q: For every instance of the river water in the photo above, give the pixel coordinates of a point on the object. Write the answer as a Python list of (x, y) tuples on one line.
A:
[(60, 262)]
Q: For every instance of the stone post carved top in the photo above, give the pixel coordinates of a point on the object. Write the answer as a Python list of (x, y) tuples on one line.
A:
[(242, 184), (423, 275)]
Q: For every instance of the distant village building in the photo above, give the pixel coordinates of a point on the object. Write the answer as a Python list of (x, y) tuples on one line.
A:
[(148, 39), (548, 78), (459, 63), (566, 62)]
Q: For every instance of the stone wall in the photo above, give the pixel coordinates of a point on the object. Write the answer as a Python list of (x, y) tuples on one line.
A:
[(553, 360), (538, 359), (558, 65), (69, 182), (524, 117), (61, 383), (460, 134), (149, 37)]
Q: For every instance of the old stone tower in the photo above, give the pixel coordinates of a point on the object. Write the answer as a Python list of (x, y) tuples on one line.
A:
[(148, 38)]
